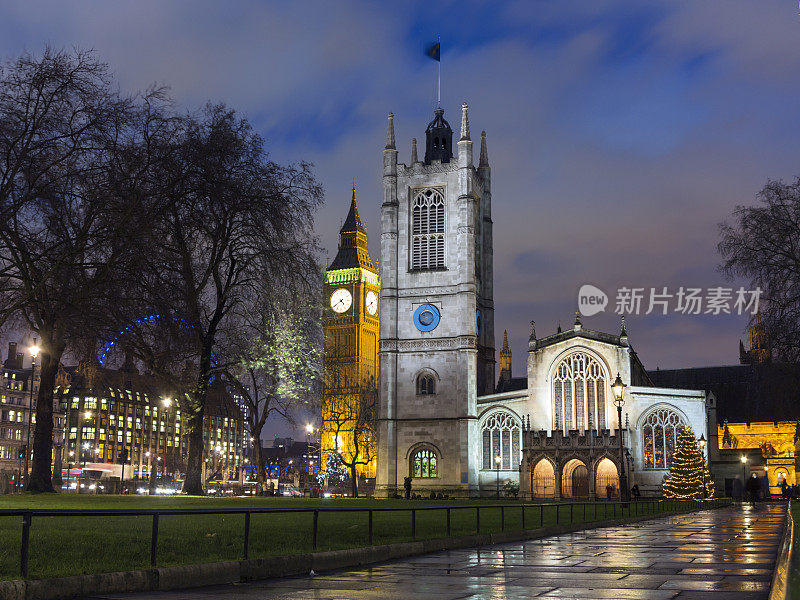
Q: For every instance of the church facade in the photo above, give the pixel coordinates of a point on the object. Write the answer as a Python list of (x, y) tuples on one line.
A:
[(443, 422)]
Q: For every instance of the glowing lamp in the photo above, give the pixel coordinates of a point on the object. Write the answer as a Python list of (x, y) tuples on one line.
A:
[(619, 389)]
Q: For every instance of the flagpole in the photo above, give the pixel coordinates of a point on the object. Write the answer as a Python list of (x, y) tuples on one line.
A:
[(439, 76)]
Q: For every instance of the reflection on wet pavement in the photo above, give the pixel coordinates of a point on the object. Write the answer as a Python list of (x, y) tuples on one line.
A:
[(719, 554)]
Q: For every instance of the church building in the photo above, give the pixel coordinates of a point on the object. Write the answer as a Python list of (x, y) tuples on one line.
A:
[(443, 422)]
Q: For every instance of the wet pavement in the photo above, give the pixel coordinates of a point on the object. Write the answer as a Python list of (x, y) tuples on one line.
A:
[(720, 554)]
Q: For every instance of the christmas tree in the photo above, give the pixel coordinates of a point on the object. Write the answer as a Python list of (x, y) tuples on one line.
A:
[(688, 471)]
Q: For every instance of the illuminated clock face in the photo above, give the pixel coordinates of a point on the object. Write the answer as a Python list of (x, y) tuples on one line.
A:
[(341, 300), (372, 303)]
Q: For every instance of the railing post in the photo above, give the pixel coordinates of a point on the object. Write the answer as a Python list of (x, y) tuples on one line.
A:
[(584, 512), (570, 512), (448, 521), (523, 517), (26, 536), (478, 519), (154, 541), (314, 537), (413, 524), (541, 515), (558, 512), (502, 518), (370, 527), (246, 535)]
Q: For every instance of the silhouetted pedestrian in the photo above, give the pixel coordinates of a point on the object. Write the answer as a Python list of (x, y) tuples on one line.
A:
[(407, 487)]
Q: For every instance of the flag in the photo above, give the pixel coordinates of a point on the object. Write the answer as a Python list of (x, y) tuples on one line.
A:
[(433, 51)]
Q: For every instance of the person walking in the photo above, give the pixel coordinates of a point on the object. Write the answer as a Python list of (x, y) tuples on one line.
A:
[(752, 487), (407, 487)]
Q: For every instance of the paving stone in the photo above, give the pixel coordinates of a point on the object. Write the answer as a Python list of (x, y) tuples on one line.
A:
[(710, 555)]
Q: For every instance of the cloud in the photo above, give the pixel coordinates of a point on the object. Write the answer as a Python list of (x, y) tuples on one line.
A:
[(620, 133)]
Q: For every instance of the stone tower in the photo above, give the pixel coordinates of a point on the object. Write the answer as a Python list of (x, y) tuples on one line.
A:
[(437, 328), (505, 361), (350, 330)]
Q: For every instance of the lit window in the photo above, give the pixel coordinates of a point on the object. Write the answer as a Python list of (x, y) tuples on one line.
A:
[(501, 437), (424, 465), (579, 394), (659, 433)]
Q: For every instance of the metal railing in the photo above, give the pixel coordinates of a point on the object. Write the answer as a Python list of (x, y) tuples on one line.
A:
[(562, 509)]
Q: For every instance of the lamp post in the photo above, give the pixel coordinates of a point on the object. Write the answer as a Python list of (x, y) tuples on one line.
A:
[(69, 467), (702, 444), (619, 390), (34, 350), (744, 473), (767, 493), (497, 462), (309, 432)]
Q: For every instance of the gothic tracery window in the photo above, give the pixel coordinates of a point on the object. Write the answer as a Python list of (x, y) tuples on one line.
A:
[(579, 394), (424, 464), (659, 435), (428, 230), (501, 437), (426, 384)]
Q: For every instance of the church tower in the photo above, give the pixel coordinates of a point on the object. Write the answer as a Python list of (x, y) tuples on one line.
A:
[(437, 327), (505, 362), (350, 349)]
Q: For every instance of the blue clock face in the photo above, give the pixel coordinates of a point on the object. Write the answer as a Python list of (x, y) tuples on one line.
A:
[(426, 317)]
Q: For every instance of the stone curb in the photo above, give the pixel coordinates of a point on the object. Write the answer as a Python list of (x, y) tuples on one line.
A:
[(779, 588), (219, 573)]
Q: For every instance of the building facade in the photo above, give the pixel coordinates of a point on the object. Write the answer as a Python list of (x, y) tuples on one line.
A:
[(437, 325), (443, 423), (16, 415), (121, 417), (352, 293)]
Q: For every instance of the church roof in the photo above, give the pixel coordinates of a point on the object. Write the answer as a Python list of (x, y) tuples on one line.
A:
[(511, 385), (744, 393), (639, 375)]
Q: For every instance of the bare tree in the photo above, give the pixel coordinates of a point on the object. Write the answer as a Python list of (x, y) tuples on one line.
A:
[(763, 245), (69, 156), (229, 226), (349, 416), (277, 362)]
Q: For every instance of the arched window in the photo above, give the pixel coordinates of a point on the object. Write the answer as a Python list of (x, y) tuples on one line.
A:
[(427, 230), (659, 435), (424, 464), (426, 384), (579, 394), (501, 437)]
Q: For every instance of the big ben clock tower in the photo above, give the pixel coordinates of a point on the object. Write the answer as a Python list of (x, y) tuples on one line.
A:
[(350, 326)]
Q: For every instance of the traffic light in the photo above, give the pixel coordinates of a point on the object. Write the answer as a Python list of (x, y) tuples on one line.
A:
[(21, 453)]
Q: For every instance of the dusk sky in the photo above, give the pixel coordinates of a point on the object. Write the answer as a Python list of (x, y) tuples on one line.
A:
[(619, 134)]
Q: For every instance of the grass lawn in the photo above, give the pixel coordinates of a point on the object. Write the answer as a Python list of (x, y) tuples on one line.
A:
[(74, 545)]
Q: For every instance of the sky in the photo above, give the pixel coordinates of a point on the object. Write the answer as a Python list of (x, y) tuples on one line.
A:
[(620, 134)]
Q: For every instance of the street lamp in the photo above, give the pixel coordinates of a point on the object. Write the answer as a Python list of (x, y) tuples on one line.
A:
[(497, 462), (69, 466), (34, 350), (309, 433), (702, 444), (744, 473), (619, 390)]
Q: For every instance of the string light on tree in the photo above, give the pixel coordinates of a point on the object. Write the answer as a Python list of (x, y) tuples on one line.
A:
[(688, 472)]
